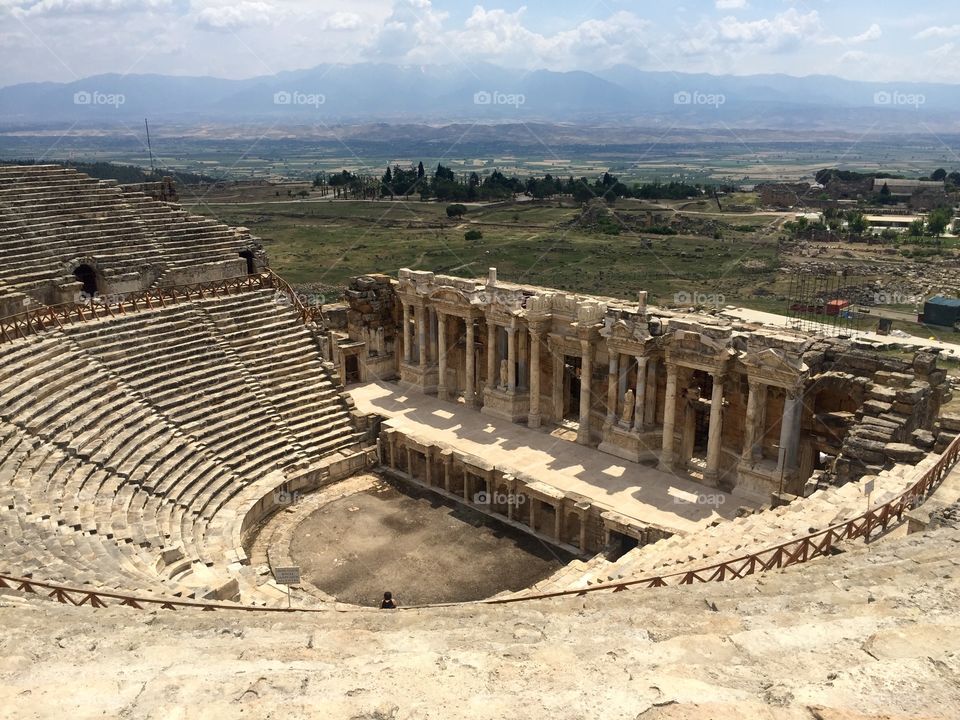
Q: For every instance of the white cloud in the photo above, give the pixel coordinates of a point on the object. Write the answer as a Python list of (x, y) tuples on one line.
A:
[(938, 31), (341, 21), (731, 4), (731, 36), (871, 33), (229, 18), (854, 57), (416, 33), (26, 8), (776, 33), (412, 26), (945, 51)]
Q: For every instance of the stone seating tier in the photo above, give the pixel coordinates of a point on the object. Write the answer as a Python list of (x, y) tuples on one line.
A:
[(124, 441), (53, 219)]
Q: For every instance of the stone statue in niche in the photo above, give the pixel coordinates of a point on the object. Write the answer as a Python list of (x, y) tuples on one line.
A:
[(504, 374), (628, 402)]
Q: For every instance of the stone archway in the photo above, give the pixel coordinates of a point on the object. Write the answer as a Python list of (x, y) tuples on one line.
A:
[(86, 275), (250, 259)]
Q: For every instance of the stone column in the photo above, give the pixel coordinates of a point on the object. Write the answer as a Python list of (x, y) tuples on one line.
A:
[(750, 422), (558, 521), (442, 355), (715, 436), (613, 386), (533, 419), (586, 372), (523, 359), (409, 461), (509, 481), (789, 432), (762, 394), (428, 465), (492, 370), (533, 512), (641, 394), (468, 391), (669, 418), (623, 370), (407, 336), (392, 452), (432, 331), (420, 314), (650, 411), (558, 381), (511, 359)]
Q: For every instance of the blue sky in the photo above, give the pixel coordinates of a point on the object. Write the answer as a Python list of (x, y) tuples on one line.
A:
[(68, 39)]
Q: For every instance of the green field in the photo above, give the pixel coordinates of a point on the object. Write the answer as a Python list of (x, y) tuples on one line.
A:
[(322, 242)]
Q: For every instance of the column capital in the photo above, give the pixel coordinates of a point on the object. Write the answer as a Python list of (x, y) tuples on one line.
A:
[(536, 327)]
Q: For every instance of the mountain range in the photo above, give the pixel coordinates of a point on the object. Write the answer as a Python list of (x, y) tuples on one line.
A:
[(621, 95)]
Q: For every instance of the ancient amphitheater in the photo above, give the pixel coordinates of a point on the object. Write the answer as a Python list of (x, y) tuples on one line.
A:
[(762, 524)]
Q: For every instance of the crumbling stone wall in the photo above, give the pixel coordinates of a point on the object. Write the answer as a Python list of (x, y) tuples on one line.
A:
[(372, 305), (902, 401)]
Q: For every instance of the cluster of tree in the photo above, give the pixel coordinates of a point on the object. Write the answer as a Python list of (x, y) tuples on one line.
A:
[(827, 174), (937, 222), (444, 185), (346, 184), (854, 223), (953, 178), (124, 174), (851, 222)]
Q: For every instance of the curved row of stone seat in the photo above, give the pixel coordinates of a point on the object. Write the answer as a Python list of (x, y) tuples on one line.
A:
[(252, 325), (117, 460), (728, 540), (179, 366), (69, 521), (53, 217), (67, 399)]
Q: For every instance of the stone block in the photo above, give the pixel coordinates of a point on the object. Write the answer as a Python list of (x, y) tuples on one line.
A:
[(912, 394), (879, 422), (902, 452), (923, 439), (903, 408), (876, 407), (950, 422), (882, 393), (894, 379), (924, 363)]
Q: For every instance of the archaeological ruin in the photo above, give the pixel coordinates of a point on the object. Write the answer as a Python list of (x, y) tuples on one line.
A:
[(164, 391), (166, 400)]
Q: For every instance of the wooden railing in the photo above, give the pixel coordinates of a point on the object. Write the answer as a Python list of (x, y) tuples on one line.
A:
[(790, 552), (31, 322)]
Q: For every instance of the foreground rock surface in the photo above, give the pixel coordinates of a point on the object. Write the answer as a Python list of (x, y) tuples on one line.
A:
[(873, 633)]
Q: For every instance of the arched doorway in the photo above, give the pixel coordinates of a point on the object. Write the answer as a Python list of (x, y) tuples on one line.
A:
[(251, 266), (87, 277)]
